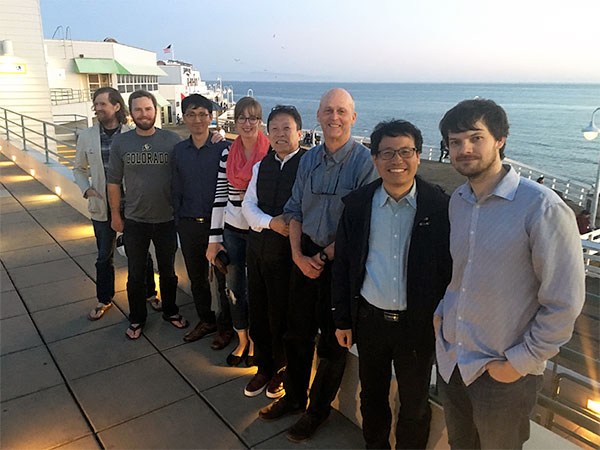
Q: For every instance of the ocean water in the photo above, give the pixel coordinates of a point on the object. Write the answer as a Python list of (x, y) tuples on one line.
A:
[(545, 119)]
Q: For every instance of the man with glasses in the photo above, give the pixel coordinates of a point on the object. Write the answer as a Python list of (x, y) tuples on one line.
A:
[(193, 197), (326, 173), (518, 284), (392, 265), (269, 257)]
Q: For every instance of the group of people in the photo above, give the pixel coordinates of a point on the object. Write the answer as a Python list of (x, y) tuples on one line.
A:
[(343, 244)]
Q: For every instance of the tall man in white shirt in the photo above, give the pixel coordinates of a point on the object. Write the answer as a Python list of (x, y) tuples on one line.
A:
[(517, 285), (269, 256)]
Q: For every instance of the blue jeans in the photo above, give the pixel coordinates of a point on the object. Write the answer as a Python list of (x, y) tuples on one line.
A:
[(488, 414), (137, 237), (235, 243), (105, 270)]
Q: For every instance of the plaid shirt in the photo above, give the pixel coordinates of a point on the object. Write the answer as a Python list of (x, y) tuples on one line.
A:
[(105, 141)]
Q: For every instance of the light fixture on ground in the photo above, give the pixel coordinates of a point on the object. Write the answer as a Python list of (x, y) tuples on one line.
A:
[(32, 172), (590, 133), (58, 190)]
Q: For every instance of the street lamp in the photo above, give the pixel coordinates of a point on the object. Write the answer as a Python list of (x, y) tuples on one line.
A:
[(590, 133)]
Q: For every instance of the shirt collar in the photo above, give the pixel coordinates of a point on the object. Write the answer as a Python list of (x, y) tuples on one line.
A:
[(382, 197), (207, 142), (506, 188), (341, 153), (103, 130), (287, 157)]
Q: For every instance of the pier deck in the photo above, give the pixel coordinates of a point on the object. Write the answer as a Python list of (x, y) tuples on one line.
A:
[(70, 383)]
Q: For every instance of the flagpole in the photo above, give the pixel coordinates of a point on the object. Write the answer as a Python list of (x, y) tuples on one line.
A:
[(172, 52)]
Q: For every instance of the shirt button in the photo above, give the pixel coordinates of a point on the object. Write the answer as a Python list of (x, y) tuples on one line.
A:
[(460, 344), (395, 256), (477, 206), (469, 260), (463, 289), (395, 235), (459, 317), (471, 232), (394, 278)]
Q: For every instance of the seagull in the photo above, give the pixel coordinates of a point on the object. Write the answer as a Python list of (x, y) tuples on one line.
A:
[(236, 59)]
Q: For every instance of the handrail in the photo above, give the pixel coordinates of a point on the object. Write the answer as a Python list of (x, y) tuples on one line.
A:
[(10, 127)]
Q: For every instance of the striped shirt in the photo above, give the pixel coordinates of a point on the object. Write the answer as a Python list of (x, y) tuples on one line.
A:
[(227, 207), (518, 280)]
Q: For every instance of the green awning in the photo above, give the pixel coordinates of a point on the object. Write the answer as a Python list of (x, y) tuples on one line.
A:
[(99, 65), (137, 69), (162, 102)]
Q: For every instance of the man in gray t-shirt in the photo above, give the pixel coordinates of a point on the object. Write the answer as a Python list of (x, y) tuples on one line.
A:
[(141, 159)]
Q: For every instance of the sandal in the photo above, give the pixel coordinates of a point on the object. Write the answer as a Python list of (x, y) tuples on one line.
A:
[(177, 321), (99, 310), (135, 329), (155, 303)]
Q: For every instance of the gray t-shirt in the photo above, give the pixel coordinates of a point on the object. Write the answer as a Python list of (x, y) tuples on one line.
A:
[(143, 164)]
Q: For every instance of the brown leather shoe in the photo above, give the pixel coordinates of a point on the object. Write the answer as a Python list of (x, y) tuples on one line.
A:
[(222, 340), (201, 330)]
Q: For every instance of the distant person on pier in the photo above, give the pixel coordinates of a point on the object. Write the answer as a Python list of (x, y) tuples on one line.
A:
[(89, 171), (583, 222), (326, 173), (269, 254), (392, 265), (540, 180), (229, 228), (141, 160), (443, 151), (193, 197), (518, 284)]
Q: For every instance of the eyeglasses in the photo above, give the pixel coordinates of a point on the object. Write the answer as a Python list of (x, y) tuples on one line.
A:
[(193, 116), (251, 120), (405, 153)]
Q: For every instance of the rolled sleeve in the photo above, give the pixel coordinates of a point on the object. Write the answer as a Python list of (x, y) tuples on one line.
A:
[(293, 207), (255, 217)]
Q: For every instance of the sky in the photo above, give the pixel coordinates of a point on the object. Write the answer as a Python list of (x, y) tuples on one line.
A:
[(350, 40)]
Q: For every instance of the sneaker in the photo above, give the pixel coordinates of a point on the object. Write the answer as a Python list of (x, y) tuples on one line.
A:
[(304, 429), (155, 303), (278, 409), (275, 387), (257, 384)]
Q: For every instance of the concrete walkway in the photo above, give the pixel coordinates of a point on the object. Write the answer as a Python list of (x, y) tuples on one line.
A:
[(70, 383)]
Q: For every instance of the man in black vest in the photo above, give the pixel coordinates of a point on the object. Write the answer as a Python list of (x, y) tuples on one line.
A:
[(269, 257)]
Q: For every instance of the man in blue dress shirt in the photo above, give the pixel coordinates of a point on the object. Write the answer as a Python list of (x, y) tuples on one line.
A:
[(326, 173), (517, 285), (195, 167), (392, 265)]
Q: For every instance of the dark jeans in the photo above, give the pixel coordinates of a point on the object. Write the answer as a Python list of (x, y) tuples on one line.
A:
[(309, 310), (488, 414), (268, 292), (380, 344), (193, 236), (137, 237), (235, 243), (105, 270)]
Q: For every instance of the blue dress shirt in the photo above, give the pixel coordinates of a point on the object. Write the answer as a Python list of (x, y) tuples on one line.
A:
[(384, 285)]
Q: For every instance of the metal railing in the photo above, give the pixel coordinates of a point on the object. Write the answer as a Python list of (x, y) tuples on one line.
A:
[(591, 253), (61, 96), (38, 135)]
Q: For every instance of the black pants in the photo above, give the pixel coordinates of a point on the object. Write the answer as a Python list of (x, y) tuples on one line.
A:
[(193, 236), (268, 292), (137, 237), (382, 343), (308, 311)]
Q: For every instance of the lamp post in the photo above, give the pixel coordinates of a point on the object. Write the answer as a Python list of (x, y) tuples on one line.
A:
[(590, 133)]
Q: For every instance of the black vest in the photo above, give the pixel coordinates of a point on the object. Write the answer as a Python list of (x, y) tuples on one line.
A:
[(274, 185), (273, 189)]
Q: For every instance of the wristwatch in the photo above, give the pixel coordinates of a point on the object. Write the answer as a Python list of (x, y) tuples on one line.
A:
[(323, 256)]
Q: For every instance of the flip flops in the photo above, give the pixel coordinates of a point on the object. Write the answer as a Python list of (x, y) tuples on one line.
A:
[(99, 310), (134, 331), (177, 321)]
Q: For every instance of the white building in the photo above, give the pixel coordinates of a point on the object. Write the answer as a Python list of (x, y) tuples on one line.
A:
[(77, 68), (181, 80)]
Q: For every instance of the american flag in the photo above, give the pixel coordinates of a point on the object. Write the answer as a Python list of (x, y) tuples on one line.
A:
[(167, 49)]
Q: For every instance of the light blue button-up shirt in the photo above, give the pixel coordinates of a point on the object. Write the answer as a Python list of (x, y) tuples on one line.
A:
[(518, 281), (389, 240), (322, 180)]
